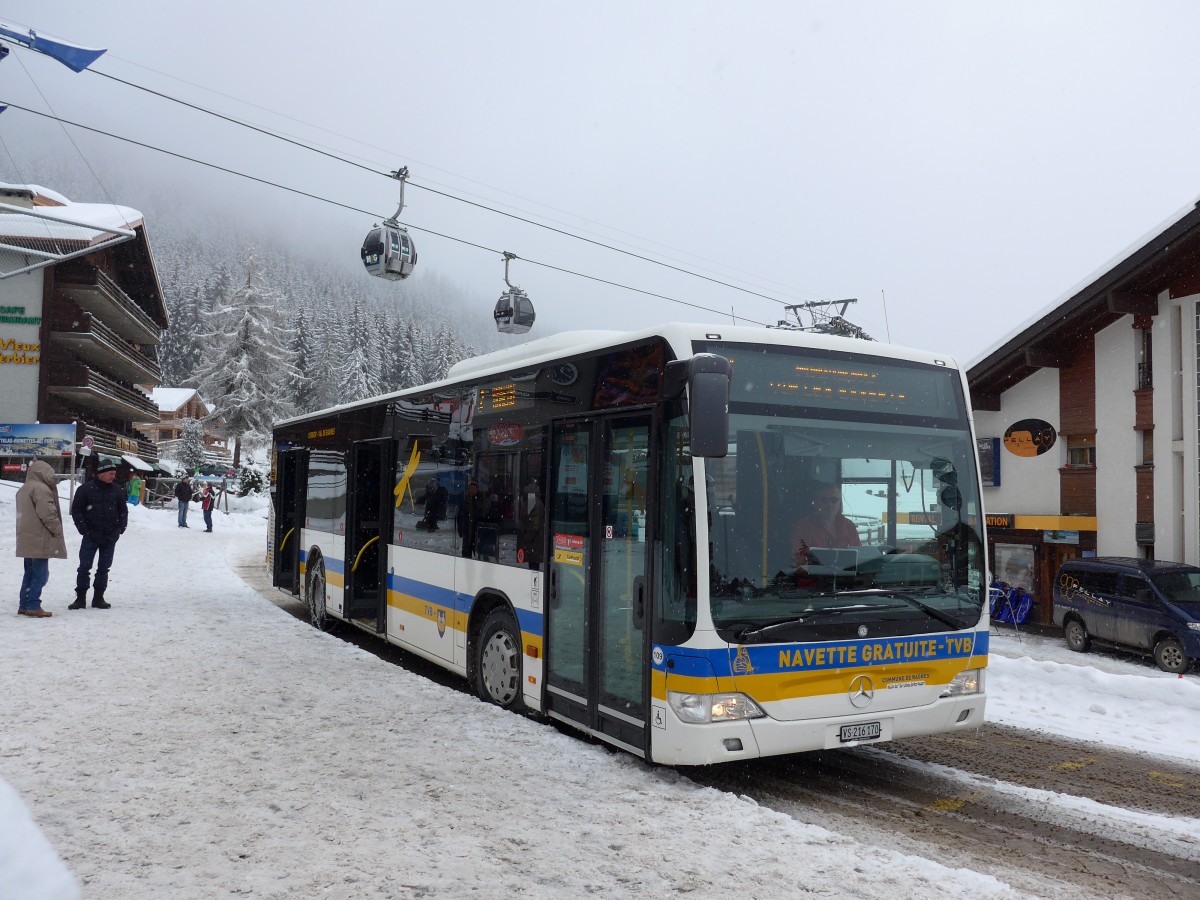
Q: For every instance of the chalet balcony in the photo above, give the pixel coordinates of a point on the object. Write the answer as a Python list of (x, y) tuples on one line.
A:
[(103, 349), (114, 444), (84, 387), (99, 295)]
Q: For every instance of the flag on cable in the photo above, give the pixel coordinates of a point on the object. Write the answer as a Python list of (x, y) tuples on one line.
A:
[(73, 56)]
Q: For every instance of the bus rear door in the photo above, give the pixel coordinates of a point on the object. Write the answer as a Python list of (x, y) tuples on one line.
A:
[(291, 489), (596, 622), (368, 529)]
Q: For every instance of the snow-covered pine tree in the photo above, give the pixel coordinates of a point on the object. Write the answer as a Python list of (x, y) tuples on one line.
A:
[(355, 357), (191, 444), (445, 351), (178, 352), (381, 356), (425, 354), (299, 387), (324, 366), (410, 367), (247, 367)]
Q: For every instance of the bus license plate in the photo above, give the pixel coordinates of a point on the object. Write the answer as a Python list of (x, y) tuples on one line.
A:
[(865, 731)]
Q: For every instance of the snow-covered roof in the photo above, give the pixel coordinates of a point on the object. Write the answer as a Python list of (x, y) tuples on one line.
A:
[(1129, 285), (40, 196), (170, 399), (86, 223), (1096, 276)]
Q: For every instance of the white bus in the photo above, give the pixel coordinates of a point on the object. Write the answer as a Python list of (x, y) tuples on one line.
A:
[(612, 530)]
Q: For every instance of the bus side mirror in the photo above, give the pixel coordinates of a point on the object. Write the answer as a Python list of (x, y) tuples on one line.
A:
[(709, 377)]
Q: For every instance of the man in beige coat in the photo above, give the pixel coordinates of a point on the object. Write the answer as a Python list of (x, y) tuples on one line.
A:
[(39, 535)]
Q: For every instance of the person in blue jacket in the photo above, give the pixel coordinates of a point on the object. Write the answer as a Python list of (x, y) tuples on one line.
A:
[(100, 513)]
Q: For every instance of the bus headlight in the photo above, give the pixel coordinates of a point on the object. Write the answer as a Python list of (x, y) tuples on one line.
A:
[(701, 708), (968, 682)]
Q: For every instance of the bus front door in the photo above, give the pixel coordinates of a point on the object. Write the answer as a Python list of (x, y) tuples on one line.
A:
[(596, 645), (291, 488), (368, 529)]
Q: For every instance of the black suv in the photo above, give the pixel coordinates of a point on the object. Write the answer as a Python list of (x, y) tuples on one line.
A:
[(1142, 604)]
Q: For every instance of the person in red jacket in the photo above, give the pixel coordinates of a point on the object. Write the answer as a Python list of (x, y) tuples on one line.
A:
[(824, 525), (206, 505)]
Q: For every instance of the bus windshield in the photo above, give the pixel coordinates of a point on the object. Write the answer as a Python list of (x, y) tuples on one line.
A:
[(848, 500)]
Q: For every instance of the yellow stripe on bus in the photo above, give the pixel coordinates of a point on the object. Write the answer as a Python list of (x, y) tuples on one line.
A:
[(423, 609), (455, 621), (775, 686)]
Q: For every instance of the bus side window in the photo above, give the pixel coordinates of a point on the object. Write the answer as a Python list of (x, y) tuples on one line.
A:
[(676, 615)]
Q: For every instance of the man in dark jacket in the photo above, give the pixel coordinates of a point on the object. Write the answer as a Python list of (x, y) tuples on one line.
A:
[(100, 514), (477, 520), (183, 493)]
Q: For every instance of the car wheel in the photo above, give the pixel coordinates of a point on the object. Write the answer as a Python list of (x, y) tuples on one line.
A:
[(1076, 634), (315, 594), (498, 664), (1170, 656)]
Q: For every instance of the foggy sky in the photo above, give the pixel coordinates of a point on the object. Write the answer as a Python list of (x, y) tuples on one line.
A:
[(972, 161)]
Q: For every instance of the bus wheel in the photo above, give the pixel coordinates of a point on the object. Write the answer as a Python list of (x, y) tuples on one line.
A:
[(498, 666), (316, 596)]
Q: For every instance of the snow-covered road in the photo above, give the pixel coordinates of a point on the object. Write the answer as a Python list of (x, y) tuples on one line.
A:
[(195, 741)]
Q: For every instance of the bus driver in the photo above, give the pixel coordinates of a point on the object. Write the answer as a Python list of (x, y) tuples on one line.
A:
[(824, 525)]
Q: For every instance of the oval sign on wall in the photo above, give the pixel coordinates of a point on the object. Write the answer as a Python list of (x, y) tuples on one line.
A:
[(1029, 437)]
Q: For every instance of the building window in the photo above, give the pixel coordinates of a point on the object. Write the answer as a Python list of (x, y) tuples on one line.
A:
[(1081, 450), (1145, 360), (1147, 448)]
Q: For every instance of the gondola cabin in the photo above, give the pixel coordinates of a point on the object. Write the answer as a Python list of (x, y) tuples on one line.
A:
[(388, 252), (514, 312)]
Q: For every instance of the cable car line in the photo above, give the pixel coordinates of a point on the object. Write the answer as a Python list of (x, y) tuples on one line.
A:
[(718, 312), (446, 194), (365, 212), (424, 165), (596, 243), (234, 121)]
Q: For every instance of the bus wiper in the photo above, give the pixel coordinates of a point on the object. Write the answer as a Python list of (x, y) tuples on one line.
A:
[(942, 617), (808, 616)]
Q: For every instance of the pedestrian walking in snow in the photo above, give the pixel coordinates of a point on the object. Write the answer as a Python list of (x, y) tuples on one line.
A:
[(135, 489), (183, 493), (206, 505), (39, 535), (100, 514)]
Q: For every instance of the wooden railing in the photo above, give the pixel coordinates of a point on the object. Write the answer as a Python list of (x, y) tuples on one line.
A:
[(85, 275)]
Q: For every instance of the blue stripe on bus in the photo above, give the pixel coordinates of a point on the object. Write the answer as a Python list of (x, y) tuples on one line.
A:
[(776, 658), (529, 622), (429, 593)]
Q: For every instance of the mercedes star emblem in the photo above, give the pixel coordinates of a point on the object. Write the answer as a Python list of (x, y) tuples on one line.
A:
[(862, 692)]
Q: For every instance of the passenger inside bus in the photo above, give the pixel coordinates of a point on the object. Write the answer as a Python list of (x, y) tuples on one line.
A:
[(823, 525), (436, 498), (529, 533)]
